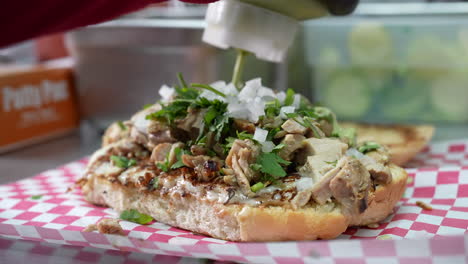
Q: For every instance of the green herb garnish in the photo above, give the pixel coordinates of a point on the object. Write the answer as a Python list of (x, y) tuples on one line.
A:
[(169, 113), (146, 106), (272, 133), (257, 187), (155, 183), (333, 163), (238, 68), (121, 125), (181, 79), (270, 163), (36, 197), (369, 146), (349, 134), (272, 108), (289, 100), (307, 122), (123, 162), (209, 88), (179, 152), (133, 215), (278, 147)]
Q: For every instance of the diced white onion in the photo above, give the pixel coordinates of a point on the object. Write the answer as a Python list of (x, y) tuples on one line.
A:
[(286, 110), (166, 93), (218, 85), (257, 109), (140, 122), (266, 93), (268, 146), (269, 189), (281, 97), (250, 89), (230, 90), (260, 134), (354, 152), (249, 103), (297, 101)]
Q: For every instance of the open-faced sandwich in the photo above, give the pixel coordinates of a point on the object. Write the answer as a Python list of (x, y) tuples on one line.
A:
[(243, 165)]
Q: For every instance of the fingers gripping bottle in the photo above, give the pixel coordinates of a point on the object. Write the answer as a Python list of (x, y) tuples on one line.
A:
[(265, 28)]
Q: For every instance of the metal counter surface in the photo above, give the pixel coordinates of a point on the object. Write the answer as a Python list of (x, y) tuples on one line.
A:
[(31, 160)]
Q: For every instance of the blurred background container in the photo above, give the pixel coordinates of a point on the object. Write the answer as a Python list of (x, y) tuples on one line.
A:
[(392, 63)]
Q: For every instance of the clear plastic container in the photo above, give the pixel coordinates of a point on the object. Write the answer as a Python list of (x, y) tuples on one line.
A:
[(385, 68)]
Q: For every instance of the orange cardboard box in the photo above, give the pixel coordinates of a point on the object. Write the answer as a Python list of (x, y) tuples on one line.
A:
[(36, 103)]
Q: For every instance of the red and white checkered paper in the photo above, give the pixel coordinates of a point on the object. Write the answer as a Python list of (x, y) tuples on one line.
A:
[(440, 178)]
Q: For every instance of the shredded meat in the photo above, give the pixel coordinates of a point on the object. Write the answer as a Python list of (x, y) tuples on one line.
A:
[(165, 151), (293, 127), (110, 226), (90, 228), (376, 162), (326, 127), (242, 154), (292, 143), (106, 226), (160, 152), (423, 205), (319, 155), (205, 167), (198, 150), (321, 192), (301, 199), (193, 121), (244, 125), (149, 132), (114, 133), (351, 185)]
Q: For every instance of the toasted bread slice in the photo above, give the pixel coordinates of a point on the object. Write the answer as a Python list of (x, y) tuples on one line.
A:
[(403, 141), (202, 207)]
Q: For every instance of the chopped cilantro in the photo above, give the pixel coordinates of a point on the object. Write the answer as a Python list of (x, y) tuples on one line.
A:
[(257, 187), (121, 125), (123, 162), (181, 79), (133, 215), (146, 106), (278, 147), (209, 88), (272, 133), (272, 108), (155, 183), (369, 146), (163, 166), (349, 134), (255, 166), (179, 152), (289, 100), (270, 163), (36, 197), (169, 113), (211, 153), (244, 135)]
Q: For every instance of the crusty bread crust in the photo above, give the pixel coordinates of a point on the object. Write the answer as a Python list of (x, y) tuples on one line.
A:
[(244, 222)]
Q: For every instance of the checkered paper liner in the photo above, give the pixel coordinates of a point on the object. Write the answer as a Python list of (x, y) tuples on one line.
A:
[(436, 236)]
